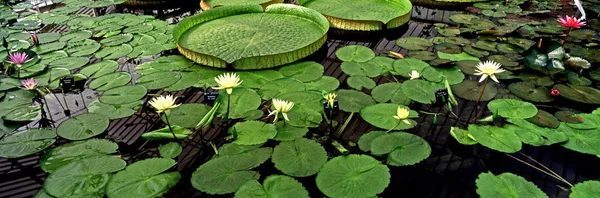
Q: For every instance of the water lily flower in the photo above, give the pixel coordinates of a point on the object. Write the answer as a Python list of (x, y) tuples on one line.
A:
[(571, 22), (488, 68), (34, 39), (18, 58), (29, 84), (554, 92), (330, 99), (414, 74), (281, 106), (402, 114), (162, 103), (228, 81)]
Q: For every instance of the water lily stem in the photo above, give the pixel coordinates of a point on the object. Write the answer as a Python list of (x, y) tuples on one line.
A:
[(399, 121), (566, 36), (557, 177), (346, 123), (228, 105), (340, 147), (171, 129), (482, 90)]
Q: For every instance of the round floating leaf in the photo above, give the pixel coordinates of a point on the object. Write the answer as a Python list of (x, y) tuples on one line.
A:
[(82, 127), (534, 135), (422, 55), (590, 121), (114, 52), (496, 138), (69, 63), (368, 68), (274, 186), (390, 91), (170, 150), (510, 108), (406, 65), (325, 83), (355, 53), (420, 90), (48, 37), (75, 36), (506, 185), (358, 82), (452, 74), (117, 40), (353, 101), (252, 132), (84, 49), (225, 174), (299, 158), (528, 91), (353, 176), (158, 80), (581, 94), (461, 56), (303, 71), (402, 148), (242, 101), (145, 50), (87, 177), (110, 81), (475, 52), (590, 188), (414, 43), (486, 45), (23, 114), (144, 178), (187, 80), (26, 142), (258, 78), (544, 119), (286, 132), (187, 115), (365, 141), (70, 152), (583, 141), (280, 86), (114, 111), (141, 39), (123, 95), (99, 69), (382, 115), (568, 117), (168, 63)]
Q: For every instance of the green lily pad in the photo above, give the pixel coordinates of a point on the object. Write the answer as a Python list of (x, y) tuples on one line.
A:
[(273, 186), (110, 81), (355, 53), (26, 142), (509, 108), (303, 71), (307, 108), (368, 68), (70, 152), (146, 178), (420, 90), (462, 136), (353, 101), (365, 140), (402, 148), (123, 95), (158, 80), (242, 101), (299, 158), (585, 189), (382, 116), (506, 185), (544, 119), (99, 69), (82, 127), (390, 91), (165, 133), (280, 86), (325, 83), (353, 176), (534, 135), (360, 82), (496, 138), (187, 115), (286, 132), (583, 141), (414, 43), (114, 111), (528, 91), (252, 132), (581, 94)]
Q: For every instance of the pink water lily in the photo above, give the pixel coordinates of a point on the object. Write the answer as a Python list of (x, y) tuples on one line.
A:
[(18, 58), (571, 22), (30, 83)]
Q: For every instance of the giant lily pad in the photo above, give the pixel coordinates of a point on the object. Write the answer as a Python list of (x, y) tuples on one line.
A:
[(353, 176), (363, 15), (144, 178), (26, 142), (222, 36), (382, 116)]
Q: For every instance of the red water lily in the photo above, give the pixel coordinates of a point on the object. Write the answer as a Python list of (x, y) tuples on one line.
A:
[(18, 58), (554, 92), (571, 22)]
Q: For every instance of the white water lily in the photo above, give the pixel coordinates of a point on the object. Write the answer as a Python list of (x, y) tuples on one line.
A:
[(402, 114), (330, 99), (488, 68), (228, 81), (414, 74), (281, 106), (163, 103)]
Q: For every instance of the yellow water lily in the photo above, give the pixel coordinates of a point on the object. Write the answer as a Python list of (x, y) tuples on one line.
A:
[(402, 114), (228, 81), (330, 99), (414, 74), (281, 106), (163, 103), (488, 68)]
